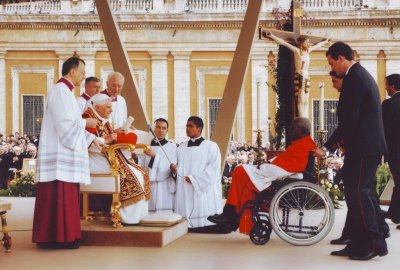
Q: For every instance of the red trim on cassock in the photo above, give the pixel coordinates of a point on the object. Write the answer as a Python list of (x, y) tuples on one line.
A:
[(85, 96), (67, 83), (56, 217)]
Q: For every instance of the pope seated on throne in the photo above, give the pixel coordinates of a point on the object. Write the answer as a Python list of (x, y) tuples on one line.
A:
[(134, 181)]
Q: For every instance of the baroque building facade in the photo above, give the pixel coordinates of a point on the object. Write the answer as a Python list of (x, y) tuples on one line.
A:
[(181, 52)]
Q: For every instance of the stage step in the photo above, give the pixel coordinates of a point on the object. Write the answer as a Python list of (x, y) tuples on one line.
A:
[(101, 233)]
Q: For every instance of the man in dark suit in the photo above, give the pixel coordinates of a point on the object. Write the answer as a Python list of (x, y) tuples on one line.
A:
[(360, 133), (230, 165), (391, 120)]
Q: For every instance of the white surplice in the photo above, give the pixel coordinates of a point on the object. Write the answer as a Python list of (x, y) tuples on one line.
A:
[(82, 103), (161, 180), (203, 197), (63, 148), (131, 214), (119, 113)]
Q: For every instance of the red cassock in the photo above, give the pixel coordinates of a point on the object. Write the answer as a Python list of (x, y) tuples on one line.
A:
[(242, 189), (57, 218)]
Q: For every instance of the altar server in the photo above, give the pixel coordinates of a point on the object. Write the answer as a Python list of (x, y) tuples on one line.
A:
[(157, 161), (198, 191)]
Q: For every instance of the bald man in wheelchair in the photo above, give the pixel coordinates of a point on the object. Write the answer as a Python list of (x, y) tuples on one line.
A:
[(248, 180)]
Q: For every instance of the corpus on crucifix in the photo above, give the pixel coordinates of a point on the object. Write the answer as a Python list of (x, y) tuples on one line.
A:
[(300, 46)]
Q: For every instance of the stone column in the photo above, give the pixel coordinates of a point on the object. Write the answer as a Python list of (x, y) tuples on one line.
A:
[(181, 93), (392, 63), (2, 93), (370, 62), (259, 88), (89, 58), (159, 84)]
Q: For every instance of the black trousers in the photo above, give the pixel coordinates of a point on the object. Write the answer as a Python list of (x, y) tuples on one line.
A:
[(394, 165), (365, 222)]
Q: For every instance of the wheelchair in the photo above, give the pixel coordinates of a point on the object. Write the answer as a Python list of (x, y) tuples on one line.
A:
[(298, 211)]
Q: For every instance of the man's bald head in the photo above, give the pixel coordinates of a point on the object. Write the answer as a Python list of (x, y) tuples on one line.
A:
[(301, 127)]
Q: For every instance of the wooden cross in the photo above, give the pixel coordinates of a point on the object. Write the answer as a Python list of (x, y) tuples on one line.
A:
[(297, 14)]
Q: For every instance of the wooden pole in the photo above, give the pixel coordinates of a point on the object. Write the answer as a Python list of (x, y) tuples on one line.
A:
[(234, 84)]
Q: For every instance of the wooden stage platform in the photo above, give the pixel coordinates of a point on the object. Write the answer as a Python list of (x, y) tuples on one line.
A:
[(101, 233)]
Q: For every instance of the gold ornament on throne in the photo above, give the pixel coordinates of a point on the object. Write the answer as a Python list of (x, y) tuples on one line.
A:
[(110, 152)]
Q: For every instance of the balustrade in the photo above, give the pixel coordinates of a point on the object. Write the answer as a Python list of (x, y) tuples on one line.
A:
[(132, 5), (331, 4), (179, 6), (49, 6)]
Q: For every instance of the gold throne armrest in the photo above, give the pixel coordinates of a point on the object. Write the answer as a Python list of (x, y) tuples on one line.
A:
[(110, 150)]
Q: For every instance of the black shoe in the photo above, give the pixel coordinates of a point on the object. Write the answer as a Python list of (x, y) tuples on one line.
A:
[(342, 252), (398, 227), (368, 255), (340, 241), (218, 219)]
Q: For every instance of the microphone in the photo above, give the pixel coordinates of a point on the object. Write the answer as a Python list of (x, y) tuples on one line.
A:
[(152, 132)]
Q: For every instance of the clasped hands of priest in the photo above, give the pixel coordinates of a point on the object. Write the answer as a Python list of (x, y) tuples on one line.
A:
[(174, 170)]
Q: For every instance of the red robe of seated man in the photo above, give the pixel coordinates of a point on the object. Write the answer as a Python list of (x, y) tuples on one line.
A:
[(243, 187)]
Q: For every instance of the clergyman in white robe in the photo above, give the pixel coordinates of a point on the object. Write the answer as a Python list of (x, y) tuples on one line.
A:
[(62, 164), (162, 183), (202, 197)]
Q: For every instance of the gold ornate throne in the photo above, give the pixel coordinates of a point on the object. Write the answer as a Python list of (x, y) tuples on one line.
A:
[(107, 184)]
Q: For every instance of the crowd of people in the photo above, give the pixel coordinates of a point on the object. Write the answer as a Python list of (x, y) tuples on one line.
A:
[(13, 149)]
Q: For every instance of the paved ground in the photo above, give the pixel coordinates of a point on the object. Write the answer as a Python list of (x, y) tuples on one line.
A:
[(194, 251)]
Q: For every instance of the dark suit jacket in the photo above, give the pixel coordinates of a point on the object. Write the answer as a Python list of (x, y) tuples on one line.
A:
[(391, 122), (360, 128), (227, 172)]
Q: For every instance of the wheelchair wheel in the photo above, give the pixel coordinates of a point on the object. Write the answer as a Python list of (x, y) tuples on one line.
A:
[(260, 233), (301, 213)]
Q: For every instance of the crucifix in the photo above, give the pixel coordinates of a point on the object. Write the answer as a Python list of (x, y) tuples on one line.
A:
[(299, 45)]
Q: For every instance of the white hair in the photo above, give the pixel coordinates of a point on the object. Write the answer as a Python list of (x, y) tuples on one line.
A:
[(99, 99), (115, 74)]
